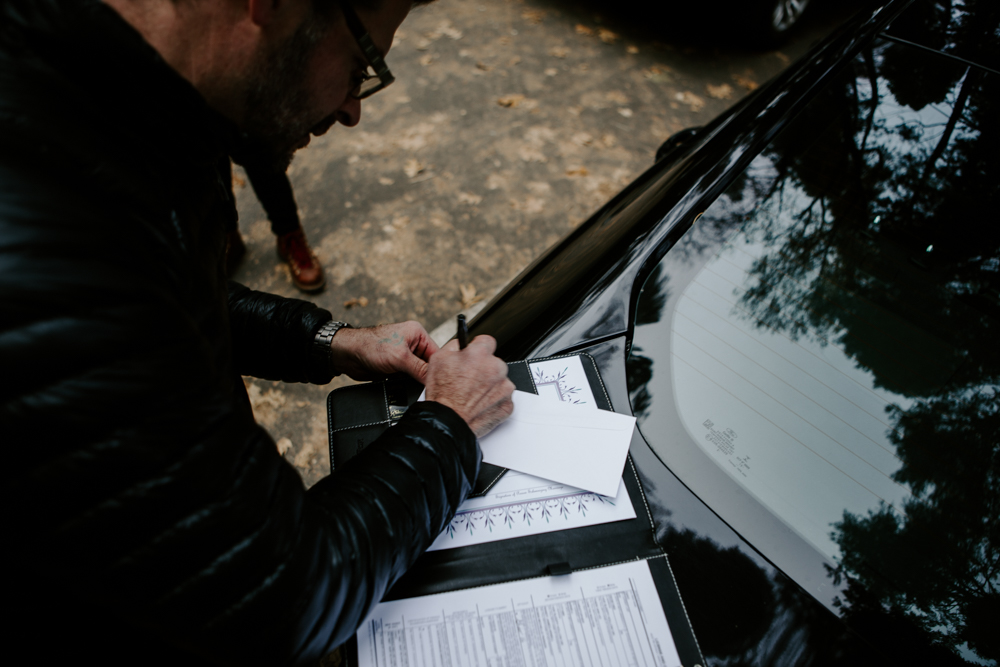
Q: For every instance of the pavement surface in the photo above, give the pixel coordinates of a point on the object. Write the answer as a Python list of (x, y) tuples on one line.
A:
[(509, 123)]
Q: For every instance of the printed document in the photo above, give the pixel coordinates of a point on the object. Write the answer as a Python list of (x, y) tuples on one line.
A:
[(605, 616)]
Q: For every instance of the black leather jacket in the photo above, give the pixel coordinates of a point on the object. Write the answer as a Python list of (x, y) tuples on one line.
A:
[(146, 518)]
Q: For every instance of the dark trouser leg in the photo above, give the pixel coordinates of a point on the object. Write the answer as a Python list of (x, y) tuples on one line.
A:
[(274, 191)]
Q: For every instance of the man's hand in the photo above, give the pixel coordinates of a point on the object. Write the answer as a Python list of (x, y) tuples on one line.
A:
[(472, 382), (375, 352)]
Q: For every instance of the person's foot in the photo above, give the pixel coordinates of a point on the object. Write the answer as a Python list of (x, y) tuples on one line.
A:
[(307, 274), (235, 249)]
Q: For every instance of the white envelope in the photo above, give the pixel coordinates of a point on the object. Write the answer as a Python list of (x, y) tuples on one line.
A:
[(562, 442)]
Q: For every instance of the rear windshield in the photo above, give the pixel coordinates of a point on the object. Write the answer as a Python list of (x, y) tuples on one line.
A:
[(817, 358)]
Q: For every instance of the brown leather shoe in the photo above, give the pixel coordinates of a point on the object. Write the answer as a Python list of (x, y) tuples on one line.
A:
[(307, 274)]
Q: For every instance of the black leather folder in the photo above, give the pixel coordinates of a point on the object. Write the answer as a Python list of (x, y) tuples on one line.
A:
[(358, 414)]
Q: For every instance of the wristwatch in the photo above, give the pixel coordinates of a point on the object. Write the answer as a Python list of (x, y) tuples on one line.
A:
[(320, 353)]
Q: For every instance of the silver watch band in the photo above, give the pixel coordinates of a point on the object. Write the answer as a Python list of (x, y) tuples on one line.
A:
[(321, 352)]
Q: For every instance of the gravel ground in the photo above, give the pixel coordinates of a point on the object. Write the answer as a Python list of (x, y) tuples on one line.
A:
[(510, 121)]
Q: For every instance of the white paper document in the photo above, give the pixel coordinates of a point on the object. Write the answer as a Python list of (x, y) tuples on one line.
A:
[(563, 379), (562, 442), (520, 505), (605, 616)]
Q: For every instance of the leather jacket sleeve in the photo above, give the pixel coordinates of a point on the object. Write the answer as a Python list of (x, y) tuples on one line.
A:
[(272, 336)]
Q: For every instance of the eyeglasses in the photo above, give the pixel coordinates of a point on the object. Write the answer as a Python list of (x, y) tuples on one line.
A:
[(370, 83)]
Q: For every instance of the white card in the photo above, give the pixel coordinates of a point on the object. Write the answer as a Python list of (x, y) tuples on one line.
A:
[(562, 442)]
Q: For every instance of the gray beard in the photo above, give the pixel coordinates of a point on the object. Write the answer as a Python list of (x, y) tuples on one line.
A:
[(279, 106)]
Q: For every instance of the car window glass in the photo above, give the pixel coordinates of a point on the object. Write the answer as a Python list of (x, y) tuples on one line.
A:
[(817, 360)]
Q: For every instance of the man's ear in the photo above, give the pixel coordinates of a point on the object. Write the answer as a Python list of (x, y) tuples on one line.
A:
[(262, 12)]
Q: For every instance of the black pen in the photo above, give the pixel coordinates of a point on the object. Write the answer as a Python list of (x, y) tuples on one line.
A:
[(463, 332)]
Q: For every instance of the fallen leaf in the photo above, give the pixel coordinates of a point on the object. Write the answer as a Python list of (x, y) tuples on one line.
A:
[(385, 181), (577, 171), (238, 182), (607, 36), (354, 159), (583, 30), (513, 61), (426, 60), (721, 92), (582, 139), (782, 57), (448, 31), (360, 301), (534, 16), (616, 96), (529, 205), (693, 101), (469, 296), (626, 112), (551, 71), (510, 101), (469, 198), (531, 154), (423, 44), (412, 167), (659, 74), (382, 301), (284, 444), (558, 52), (483, 66), (400, 221), (608, 140), (746, 82), (632, 48)]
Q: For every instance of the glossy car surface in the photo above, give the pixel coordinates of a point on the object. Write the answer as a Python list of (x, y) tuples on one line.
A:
[(814, 277)]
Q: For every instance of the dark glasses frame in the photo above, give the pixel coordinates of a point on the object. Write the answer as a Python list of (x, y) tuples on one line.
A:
[(371, 83)]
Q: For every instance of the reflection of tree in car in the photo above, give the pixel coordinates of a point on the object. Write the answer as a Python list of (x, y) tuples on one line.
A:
[(892, 253), (734, 592)]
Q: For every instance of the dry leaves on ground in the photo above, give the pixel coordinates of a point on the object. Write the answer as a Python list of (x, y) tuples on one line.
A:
[(625, 111), (607, 36), (746, 82), (533, 15), (721, 92), (632, 49), (283, 446), (426, 60), (483, 66), (582, 139), (782, 57), (695, 103), (360, 301), (659, 74), (558, 52), (577, 171), (583, 30), (469, 198), (238, 182), (412, 167), (469, 296), (385, 181), (510, 101)]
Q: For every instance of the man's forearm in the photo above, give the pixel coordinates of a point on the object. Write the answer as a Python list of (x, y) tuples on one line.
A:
[(273, 336)]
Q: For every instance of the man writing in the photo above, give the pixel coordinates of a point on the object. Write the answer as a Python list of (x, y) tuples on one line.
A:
[(148, 519)]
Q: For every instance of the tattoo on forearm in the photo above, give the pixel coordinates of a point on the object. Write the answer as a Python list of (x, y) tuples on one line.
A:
[(396, 339)]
